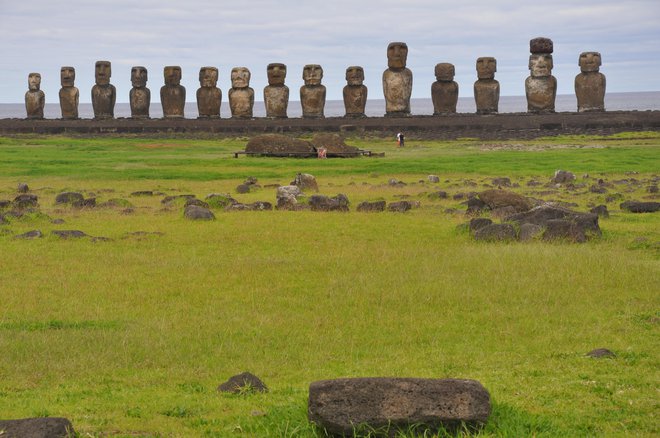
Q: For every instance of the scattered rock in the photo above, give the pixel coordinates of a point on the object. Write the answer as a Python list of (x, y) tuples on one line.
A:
[(195, 212), (395, 183), (217, 200), (599, 353), (640, 207), (74, 199), (24, 201), (530, 232), (587, 222), (47, 427), (652, 189), (287, 202), (367, 206), (502, 182), (495, 232), (502, 212), (559, 229), (195, 201), (433, 179), (341, 405), (475, 206), (251, 180), (325, 203), (613, 197), (534, 183), (597, 188), (168, 200), (291, 190), (69, 234), (255, 206), (438, 195), (243, 188), (601, 211), (478, 223), (34, 234), (563, 177), (22, 188), (458, 196), (277, 144), (4, 203), (143, 193), (400, 206), (243, 383), (116, 203), (502, 198)]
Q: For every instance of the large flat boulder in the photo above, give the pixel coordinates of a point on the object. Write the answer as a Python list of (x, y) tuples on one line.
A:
[(640, 207), (341, 406), (496, 198), (36, 428)]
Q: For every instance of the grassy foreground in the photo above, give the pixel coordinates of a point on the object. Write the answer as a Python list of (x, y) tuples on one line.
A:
[(131, 336)]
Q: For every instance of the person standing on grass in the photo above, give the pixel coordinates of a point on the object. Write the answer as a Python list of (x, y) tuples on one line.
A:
[(400, 139)]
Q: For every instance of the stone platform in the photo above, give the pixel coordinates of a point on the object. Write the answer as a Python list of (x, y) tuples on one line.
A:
[(487, 127)]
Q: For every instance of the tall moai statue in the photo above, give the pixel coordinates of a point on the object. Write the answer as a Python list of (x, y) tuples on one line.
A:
[(104, 93), (69, 94), (276, 94), (35, 99), (312, 94), (397, 81), (444, 91), (209, 96), (590, 83), (355, 92), (486, 88), (540, 86), (241, 96), (140, 95), (173, 94)]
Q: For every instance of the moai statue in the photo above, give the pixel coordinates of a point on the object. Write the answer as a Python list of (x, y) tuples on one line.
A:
[(209, 96), (486, 88), (590, 83), (312, 94), (69, 94), (355, 92), (173, 94), (540, 86), (35, 99), (276, 94), (140, 95), (104, 94), (444, 91), (397, 81), (241, 96)]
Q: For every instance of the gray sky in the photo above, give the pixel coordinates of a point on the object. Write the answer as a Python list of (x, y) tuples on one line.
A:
[(43, 35)]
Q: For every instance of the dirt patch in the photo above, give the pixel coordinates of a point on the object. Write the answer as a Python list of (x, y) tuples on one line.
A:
[(162, 145)]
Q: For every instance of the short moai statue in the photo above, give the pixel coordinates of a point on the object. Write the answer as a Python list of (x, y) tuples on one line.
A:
[(486, 88), (35, 99), (355, 92), (312, 94), (540, 86), (104, 93), (140, 95), (444, 91), (209, 96), (397, 81), (276, 94), (590, 83), (241, 96), (173, 94), (69, 94)]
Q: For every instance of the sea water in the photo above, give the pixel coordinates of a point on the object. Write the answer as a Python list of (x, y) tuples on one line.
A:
[(639, 101)]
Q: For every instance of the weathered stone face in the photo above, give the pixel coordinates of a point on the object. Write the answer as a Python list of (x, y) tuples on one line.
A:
[(486, 67), (240, 77), (397, 55), (589, 62), (139, 76), (67, 76), (208, 76), (445, 71), (276, 73), (312, 74), (354, 75), (172, 75), (541, 45), (34, 81), (540, 65), (102, 72)]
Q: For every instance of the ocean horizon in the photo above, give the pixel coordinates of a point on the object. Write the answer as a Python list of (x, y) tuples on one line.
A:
[(632, 101)]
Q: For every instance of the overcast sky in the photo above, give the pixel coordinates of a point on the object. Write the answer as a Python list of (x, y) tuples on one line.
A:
[(43, 35)]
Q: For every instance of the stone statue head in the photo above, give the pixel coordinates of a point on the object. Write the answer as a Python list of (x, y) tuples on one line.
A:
[(486, 67), (589, 61), (172, 75), (208, 77), (355, 75), (102, 72), (445, 72), (397, 55), (67, 76), (240, 77), (139, 77), (312, 74), (34, 81), (541, 45), (540, 65), (276, 73)]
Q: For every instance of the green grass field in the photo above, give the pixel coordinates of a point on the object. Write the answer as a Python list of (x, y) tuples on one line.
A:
[(130, 337)]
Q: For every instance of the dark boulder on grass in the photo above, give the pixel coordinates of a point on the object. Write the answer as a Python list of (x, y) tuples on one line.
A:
[(197, 213), (478, 223), (143, 193), (305, 182), (586, 222), (243, 188), (22, 188), (326, 203), (640, 207), (496, 233), (475, 206), (371, 206), (601, 211), (219, 200), (4, 203), (384, 406), (400, 206), (562, 229), (74, 199), (49, 427), (440, 194), (24, 201), (255, 206), (69, 234), (501, 181), (195, 201), (34, 234), (600, 353), (496, 198), (243, 383), (277, 144), (563, 177), (529, 232)]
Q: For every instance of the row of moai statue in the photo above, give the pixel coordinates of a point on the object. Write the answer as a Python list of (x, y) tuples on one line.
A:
[(540, 88)]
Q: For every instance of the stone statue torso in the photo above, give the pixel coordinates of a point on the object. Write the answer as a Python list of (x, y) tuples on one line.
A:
[(69, 97), (397, 88), (140, 100), (355, 100), (541, 93), (173, 100), (312, 99), (241, 102), (103, 101), (444, 96), (487, 96), (34, 104), (276, 99), (209, 100), (590, 91)]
